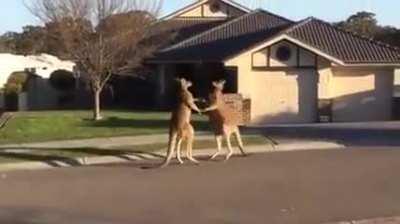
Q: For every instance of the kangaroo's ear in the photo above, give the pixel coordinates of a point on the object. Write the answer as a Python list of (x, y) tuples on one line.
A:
[(177, 80), (215, 84), (222, 82), (189, 83)]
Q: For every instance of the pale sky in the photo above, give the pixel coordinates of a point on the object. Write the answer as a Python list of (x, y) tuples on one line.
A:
[(15, 15)]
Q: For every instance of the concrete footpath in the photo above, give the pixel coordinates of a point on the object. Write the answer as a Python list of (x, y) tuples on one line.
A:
[(112, 142), (115, 142)]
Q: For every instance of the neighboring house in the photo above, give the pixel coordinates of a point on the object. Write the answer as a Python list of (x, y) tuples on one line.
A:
[(39, 94), (293, 72)]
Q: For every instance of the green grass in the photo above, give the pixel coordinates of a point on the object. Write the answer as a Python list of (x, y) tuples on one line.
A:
[(42, 126), (69, 155)]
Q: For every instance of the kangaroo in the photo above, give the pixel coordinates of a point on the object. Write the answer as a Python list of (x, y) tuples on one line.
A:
[(224, 121), (180, 128)]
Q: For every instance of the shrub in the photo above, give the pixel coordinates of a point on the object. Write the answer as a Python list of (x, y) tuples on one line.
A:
[(16, 82), (62, 80)]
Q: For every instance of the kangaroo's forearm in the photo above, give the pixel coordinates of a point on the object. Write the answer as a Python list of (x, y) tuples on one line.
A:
[(211, 108), (193, 106)]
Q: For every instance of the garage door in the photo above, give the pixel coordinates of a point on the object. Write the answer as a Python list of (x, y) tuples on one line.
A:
[(291, 97), (362, 95)]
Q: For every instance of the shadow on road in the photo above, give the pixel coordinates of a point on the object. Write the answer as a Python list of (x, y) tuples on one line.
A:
[(362, 135)]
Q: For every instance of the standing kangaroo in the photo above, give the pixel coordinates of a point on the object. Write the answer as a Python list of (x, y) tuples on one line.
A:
[(224, 120), (180, 127)]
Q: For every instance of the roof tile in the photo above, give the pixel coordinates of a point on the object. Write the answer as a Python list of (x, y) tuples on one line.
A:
[(348, 47)]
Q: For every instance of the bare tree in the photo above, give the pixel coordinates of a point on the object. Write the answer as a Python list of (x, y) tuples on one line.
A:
[(103, 37)]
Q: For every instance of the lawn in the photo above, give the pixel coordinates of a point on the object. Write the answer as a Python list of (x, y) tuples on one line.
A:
[(62, 125), (43, 126)]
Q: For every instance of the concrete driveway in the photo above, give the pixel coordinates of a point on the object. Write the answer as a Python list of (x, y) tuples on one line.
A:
[(382, 134), (283, 187)]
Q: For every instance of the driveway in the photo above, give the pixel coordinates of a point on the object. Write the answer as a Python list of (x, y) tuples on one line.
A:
[(382, 134), (282, 187)]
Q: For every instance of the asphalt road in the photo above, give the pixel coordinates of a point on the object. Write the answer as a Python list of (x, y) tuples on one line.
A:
[(283, 187)]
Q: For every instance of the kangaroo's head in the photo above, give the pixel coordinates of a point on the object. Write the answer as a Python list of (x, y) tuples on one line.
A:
[(184, 84), (219, 85)]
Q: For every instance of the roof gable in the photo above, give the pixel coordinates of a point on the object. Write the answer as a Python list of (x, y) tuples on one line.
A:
[(226, 39), (201, 9), (258, 21)]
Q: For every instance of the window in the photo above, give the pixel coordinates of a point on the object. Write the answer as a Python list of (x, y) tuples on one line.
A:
[(215, 7), (283, 53)]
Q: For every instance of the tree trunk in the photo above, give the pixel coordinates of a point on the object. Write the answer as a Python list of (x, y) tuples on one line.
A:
[(96, 106)]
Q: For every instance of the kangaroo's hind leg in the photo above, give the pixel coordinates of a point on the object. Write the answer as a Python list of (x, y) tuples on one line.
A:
[(189, 146), (239, 141), (218, 139), (178, 151), (171, 149), (229, 145)]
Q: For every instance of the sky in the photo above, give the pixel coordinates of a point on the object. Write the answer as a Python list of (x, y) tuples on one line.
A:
[(14, 14)]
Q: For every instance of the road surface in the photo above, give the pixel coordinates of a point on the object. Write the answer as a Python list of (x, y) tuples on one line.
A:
[(282, 187)]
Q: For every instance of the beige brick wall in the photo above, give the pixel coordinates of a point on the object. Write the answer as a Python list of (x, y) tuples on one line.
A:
[(241, 106)]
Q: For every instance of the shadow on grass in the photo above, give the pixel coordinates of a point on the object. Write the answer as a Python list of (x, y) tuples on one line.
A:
[(48, 159), (76, 153)]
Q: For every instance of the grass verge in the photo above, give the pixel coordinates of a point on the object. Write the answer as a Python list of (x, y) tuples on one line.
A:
[(27, 127)]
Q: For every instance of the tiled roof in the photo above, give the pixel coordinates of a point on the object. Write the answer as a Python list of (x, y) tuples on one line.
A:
[(254, 28), (347, 47), (226, 39), (258, 21), (183, 29)]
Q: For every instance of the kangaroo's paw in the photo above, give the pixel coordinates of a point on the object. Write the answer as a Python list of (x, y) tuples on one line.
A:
[(213, 157), (245, 154), (195, 161), (228, 156), (163, 165), (180, 161)]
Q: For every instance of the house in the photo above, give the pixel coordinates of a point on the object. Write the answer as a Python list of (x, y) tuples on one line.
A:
[(397, 83), (38, 93), (291, 71)]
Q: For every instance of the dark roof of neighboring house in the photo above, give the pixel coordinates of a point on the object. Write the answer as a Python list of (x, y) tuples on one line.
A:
[(249, 30), (226, 39), (347, 47), (183, 29)]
